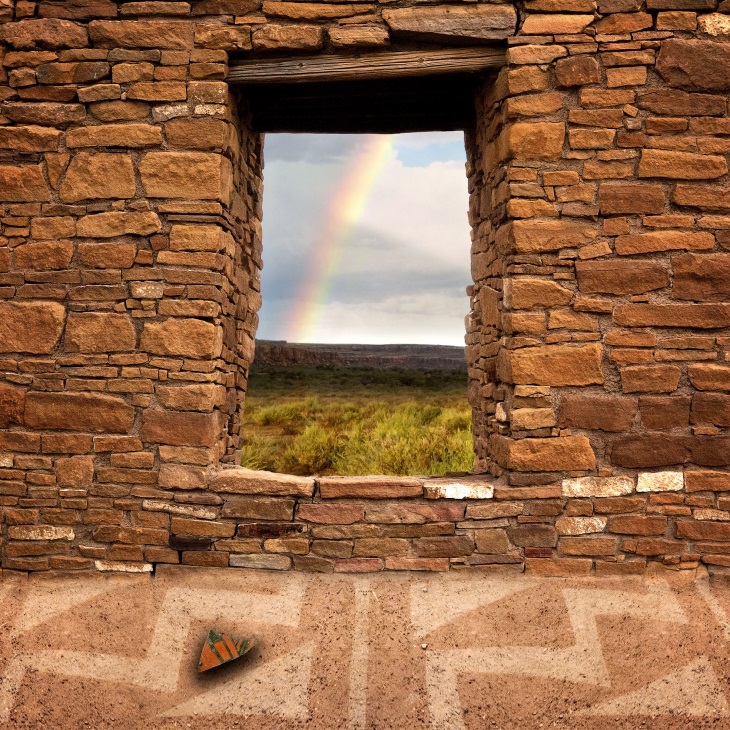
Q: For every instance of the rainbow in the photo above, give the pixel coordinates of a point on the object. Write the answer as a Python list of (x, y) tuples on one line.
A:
[(344, 212)]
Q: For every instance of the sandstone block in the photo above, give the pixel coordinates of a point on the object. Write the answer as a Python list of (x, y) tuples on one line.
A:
[(663, 481), (533, 536), (198, 397), (568, 453), (558, 567), (47, 114), (711, 408), (552, 365), (180, 428), (702, 277), (532, 418), (531, 236), (117, 223), (195, 175), (492, 542), (621, 277), (707, 481), (261, 562), (279, 37), (224, 37), (200, 134), (71, 411), (617, 23), (44, 255), (695, 65), (32, 327), (107, 255), (532, 292), (182, 337), (692, 530), (681, 165), (196, 238), (81, 72), (639, 243), (587, 545), (331, 514), (602, 413), (358, 36), (158, 91), (535, 140), (259, 508), (650, 450), (442, 547), (597, 486), (619, 198), (29, 35), (660, 413), (420, 564), (29, 139), (98, 332), (577, 71), (702, 196), (580, 525), (699, 316), (141, 34), (76, 471), (555, 24), (707, 376), (680, 103), (12, 405), (21, 184), (650, 378), (374, 487), (485, 22), (114, 135), (94, 176), (40, 532), (381, 547), (247, 481), (638, 524)]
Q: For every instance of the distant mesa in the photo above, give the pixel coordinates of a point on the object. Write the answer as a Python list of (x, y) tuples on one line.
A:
[(379, 357)]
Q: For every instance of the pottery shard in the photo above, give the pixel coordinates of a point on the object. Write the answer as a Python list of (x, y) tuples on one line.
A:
[(246, 481), (89, 412), (29, 35), (702, 277), (12, 405), (96, 176), (529, 293), (567, 453), (33, 327), (535, 140), (695, 65), (621, 277), (113, 224), (602, 413), (681, 165), (29, 139), (616, 198), (530, 236), (97, 332), (597, 487), (707, 376), (23, 184), (700, 316), (141, 34), (182, 337), (195, 175), (486, 22), (552, 365), (114, 135)]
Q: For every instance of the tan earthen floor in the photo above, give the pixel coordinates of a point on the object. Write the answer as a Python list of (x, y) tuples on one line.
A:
[(458, 651)]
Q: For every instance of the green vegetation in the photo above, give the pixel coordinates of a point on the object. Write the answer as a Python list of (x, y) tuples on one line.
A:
[(350, 421)]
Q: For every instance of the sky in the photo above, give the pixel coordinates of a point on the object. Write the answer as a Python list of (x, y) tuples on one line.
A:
[(366, 239)]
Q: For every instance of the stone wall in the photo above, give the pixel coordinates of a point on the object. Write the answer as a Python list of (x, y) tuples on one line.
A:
[(130, 253)]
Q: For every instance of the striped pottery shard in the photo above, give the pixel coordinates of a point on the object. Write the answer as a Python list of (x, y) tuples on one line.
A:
[(220, 649)]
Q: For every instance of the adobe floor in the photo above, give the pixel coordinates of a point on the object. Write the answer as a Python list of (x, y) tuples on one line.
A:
[(457, 651)]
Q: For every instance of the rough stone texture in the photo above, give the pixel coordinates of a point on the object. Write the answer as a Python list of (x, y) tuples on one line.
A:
[(599, 328)]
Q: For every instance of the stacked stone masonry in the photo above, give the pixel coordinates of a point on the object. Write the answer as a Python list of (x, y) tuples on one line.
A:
[(598, 343)]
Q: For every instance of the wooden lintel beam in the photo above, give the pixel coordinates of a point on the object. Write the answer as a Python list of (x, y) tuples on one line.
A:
[(366, 66)]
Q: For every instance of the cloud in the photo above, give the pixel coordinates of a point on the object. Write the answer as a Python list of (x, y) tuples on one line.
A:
[(402, 268)]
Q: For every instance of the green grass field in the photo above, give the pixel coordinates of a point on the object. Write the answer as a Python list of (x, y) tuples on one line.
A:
[(350, 421)]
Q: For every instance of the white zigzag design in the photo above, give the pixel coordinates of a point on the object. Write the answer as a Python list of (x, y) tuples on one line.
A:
[(160, 669), (581, 663)]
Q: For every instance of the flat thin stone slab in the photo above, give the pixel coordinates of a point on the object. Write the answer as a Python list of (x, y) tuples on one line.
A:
[(462, 488), (598, 487), (374, 487), (247, 481)]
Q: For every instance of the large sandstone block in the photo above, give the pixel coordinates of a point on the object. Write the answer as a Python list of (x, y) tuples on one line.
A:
[(247, 481), (485, 22), (621, 277), (183, 337), (107, 255), (44, 255), (29, 139), (29, 35), (708, 376), (115, 135), (650, 378), (711, 408), (89, 412), (33, 327), (532, 292), (617, 198), (94, 176), (224, 37), (99, 332), (141, 34), (702, 277), (531, 236), (195, 175), (638, 243), (695, 65), (197, 397), (699, 316), (180, 428), (280, 37), (535, 140), (552, 365), (681, 165), (23, 184), (12, 405), (602, 413), (704, 197), (197, 134), (47, 114), (568, 453)]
